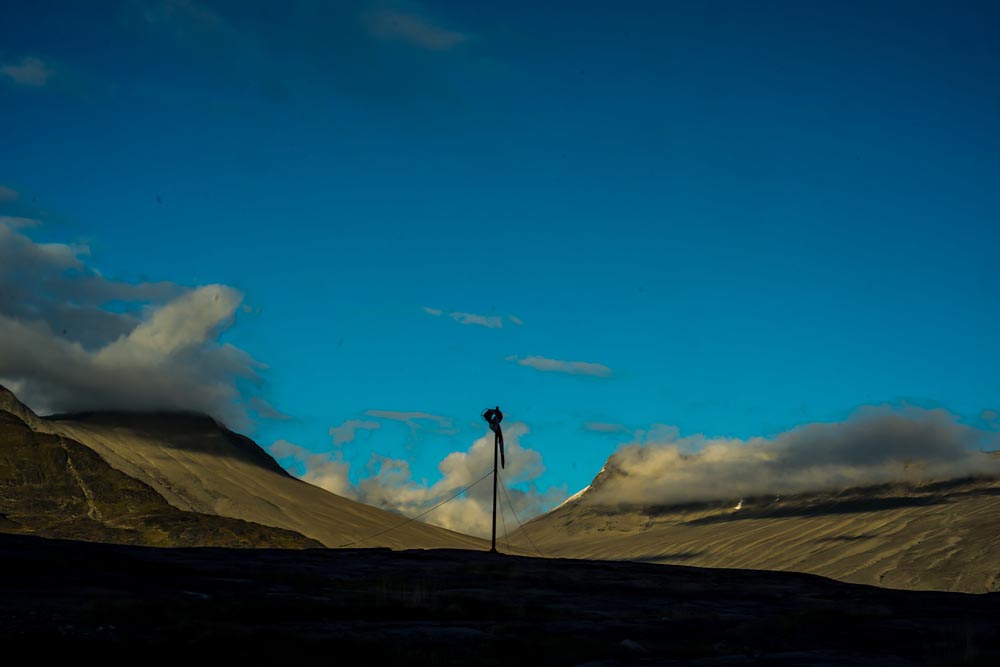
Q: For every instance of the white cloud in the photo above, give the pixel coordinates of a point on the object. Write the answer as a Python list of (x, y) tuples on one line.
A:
[(414, 420), (185, 322), (67, 352), (557, 366), (412, 29), (876, 446), (488, 321), (29, 71), (347, 431), (391, 485), (7, 194)]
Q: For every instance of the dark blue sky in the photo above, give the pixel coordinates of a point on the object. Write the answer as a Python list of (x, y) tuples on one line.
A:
[(750, 215)]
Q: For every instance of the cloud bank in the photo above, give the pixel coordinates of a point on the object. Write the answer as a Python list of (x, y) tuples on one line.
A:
[(557, 366), (876, 446), (73, 340), (390, 484)]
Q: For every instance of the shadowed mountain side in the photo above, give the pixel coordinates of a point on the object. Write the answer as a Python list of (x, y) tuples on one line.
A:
[(198, 465), (182, 430), (937, 536), (55, 487)]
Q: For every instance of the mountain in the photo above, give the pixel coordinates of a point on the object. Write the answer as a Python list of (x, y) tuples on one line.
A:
[(53, 486), (930, 536), (196, 466)]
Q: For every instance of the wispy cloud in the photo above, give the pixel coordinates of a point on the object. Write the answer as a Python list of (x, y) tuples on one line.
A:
[(416, 420), (265, 410), (347, 431), (412, 29), (516, 320), (391, 485), (379, 51), (488, 321), (605, 427), (557, 366), (180, 14), (989, 415), (29, 71), (7, 194)]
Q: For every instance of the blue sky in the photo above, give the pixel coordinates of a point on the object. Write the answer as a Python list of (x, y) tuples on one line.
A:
[(753, 215)]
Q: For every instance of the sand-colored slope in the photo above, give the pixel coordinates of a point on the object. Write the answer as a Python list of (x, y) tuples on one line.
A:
[(199, 465), (936, 536), (52, 486)]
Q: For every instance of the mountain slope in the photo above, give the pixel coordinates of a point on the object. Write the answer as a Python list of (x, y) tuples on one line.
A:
[(53, 486), (199, 465), (935, 536), (9, 403)]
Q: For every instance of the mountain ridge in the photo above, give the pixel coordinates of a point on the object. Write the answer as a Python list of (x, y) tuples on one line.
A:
[(199, 465), (930, 535)]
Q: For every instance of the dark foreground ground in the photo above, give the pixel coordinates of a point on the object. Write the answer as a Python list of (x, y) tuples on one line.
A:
[(142, 605)]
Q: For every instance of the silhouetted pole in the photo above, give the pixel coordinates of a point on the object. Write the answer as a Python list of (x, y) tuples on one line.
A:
[(496, 448)]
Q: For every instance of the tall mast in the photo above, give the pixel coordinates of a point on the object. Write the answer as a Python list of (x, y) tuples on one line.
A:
[(496, 448)]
